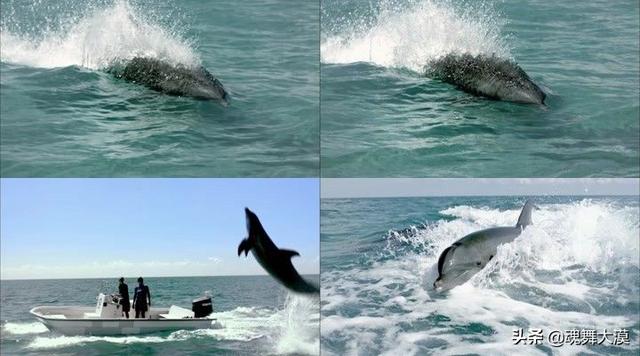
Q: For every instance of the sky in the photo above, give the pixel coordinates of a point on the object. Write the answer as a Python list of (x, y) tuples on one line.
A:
[(413, 187), (106, 228)]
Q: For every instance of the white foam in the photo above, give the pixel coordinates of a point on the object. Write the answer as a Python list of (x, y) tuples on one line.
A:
[(65, 341), (242, 324), (544, 279), (95, 41), (334, 322), (24, 328), (299, 328), (403, 37)]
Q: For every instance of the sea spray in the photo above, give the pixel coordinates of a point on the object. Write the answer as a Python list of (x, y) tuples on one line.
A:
[(241, 324), (99, 37), (300, 331), (400, 36), (24, 328)]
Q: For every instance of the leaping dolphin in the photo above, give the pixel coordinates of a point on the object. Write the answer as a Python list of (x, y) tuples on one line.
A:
[(276, 261), (467, 256), (487, 76), (178, 80)]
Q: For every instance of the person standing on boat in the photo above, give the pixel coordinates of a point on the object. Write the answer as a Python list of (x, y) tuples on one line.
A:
[(141, 298), (123, 290)]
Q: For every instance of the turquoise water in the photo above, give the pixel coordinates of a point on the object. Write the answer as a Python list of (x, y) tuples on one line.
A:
[(255, 316), (381, 117), (62, 115), (576, 267)]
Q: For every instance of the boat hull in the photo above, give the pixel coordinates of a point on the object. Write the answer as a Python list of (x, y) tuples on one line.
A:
[(117, 326)]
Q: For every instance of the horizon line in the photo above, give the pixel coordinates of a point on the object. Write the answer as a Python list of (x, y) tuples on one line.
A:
[(133, 278), (480, 195)]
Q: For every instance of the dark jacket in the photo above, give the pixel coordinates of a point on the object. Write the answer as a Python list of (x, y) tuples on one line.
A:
[(123, 290), (140, 296)]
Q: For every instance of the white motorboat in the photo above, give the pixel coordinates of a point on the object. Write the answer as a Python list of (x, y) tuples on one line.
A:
[(107, 319)]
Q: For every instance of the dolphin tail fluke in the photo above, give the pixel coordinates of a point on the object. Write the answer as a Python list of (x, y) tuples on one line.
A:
[(288, 253), (244, 247), (525, 216)]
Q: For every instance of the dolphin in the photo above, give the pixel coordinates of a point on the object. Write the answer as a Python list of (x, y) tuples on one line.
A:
[(276, 261), (488, 76), (178, 80), (467, 256)]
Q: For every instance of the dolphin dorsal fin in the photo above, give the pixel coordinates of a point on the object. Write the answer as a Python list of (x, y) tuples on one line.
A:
[(525, 215), (288, 253)]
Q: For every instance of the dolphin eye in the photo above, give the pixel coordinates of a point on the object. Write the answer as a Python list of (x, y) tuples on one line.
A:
[(478, 263)]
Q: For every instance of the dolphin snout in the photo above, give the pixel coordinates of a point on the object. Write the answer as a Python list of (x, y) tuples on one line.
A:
[(209, 91)]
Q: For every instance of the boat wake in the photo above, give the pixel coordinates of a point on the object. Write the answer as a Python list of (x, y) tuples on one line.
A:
[(24, 328), (96, 40), (576, 267), (409, 37)]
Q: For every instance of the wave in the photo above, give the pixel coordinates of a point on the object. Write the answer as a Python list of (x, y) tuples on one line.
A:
[(41, 342), (575, 268), (409, 38), (105, 35)]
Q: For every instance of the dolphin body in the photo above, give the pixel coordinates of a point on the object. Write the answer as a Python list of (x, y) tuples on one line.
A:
[(178, 80), (488, 76), (276, 261), (467, 256)]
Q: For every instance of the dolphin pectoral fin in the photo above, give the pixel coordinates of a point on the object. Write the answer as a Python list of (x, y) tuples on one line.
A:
[(458, 275), (435, 283), (244, 247), (288, 253)]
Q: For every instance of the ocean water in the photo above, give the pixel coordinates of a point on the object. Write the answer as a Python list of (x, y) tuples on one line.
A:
[(576, 267), (254, 316), (63, 115), (382, 117)]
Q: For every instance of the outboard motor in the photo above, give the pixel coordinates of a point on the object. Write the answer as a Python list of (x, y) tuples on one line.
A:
[(202, 307)]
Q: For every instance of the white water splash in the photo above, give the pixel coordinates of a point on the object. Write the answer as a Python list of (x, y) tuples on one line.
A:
[(300, 331), (42, 342), (409, 38), (95, 41), (24, 328)]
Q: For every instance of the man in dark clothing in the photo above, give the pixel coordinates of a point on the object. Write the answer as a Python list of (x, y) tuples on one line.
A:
[(140, 297), (123, 290)]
